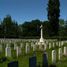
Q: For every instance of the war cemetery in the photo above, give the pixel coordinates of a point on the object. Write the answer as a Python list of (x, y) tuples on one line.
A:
[(33, 52), (34, 43)]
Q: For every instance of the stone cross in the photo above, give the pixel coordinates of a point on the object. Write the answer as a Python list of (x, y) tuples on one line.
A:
[(41, 39)]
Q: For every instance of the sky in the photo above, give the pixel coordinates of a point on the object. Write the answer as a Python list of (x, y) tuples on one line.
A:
[(27, 10)]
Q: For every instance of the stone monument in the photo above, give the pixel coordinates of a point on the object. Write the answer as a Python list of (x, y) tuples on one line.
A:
[(41, 38), (41, 42)]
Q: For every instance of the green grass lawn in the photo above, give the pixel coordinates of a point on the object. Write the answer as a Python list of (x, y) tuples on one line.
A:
[(24, 58)]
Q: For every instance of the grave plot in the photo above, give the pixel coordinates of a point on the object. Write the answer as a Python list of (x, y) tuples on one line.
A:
[(22, 51)]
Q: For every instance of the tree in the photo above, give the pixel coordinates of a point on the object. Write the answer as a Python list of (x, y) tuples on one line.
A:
[(10, 27), (31, 29), (45, 29), (53, 16), (65, 30), (6, 25), (61, 22)]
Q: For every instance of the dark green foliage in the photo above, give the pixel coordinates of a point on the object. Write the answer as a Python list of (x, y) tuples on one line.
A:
[(31, 29), (53, 16), (10, 29)]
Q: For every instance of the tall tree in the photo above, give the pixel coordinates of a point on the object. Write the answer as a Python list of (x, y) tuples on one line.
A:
[(53, 16), (10, 27), (6, 24)]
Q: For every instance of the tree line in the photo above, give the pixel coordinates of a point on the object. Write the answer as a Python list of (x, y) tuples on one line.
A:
[(11, 29), (53, 28)]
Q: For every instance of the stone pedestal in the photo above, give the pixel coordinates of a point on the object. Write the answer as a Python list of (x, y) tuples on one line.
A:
[(41, 42)]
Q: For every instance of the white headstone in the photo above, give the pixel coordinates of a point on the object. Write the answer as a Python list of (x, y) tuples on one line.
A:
[(27, 49), (15, 46), (50, 45), (53, 56), (21, 45), (18, 51), (60, 54), (57, 44), (8, 52), (65, 50)]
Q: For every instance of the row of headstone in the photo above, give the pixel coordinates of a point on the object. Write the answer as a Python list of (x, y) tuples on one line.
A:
[(54, 44), (51, 44), (47, 42), (27, 48), (18, 49), (60, 54), (8, 52), (28, 40)]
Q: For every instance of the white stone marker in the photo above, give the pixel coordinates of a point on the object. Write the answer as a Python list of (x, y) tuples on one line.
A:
[(65, 50), (57, 44), (60, 54), (18, 51), (21, 45), (53, 57), (15, 46), (8, 52), (27, 49), (50, 45)]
